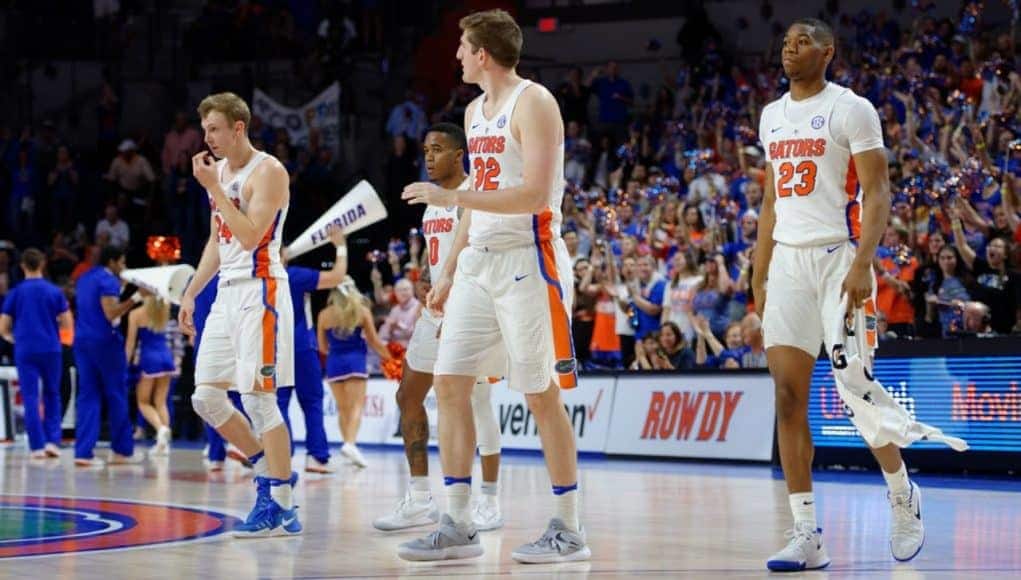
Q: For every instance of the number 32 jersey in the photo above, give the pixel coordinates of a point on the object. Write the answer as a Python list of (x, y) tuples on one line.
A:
[(809, 144)]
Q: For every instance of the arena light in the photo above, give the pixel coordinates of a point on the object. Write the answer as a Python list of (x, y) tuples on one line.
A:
[(548, 24)]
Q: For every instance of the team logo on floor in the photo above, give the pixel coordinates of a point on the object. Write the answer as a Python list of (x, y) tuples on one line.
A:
[(43, 526)]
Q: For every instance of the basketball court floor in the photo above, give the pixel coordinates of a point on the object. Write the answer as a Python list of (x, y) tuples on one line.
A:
[(167, 518)]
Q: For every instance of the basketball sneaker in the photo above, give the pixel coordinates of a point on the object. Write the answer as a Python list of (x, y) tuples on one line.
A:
[(804, 551), (409, 513), (486, 513), (263, 496), (557, 544), (350, 450), (271, 520), (313, 465), (908, 534), (450, 542)]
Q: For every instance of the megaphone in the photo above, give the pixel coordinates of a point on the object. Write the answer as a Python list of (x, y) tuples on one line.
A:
[(167, 282), (359, 208)]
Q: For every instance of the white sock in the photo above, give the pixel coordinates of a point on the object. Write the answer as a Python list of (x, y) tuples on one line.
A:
[(420, 488), (261, 466), (566, 508), (803, 508), (458, 499), (282, 495), (490, 492), (898, 481)]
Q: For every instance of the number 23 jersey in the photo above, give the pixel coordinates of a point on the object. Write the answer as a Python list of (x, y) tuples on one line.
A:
[(809, 144)]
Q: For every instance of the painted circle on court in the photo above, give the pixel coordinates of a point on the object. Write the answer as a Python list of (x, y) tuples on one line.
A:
[(43, 526)]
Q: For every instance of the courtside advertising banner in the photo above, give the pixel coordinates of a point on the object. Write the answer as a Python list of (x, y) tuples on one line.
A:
[(588, 407), (704, 416), (380, 416)]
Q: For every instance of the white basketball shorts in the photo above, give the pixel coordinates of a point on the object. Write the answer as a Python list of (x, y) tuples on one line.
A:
[(248, 340), (425, 343), (519, 299), (803, 293)]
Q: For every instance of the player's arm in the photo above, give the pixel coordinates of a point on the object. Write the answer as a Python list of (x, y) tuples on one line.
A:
[(764, 242), (269, 183), (6, 325), (541, 131), (332, 277), (371, 337), (874, 175)]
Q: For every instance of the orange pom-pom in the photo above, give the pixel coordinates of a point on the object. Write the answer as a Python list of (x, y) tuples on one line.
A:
[(163, 248), (394, 368)]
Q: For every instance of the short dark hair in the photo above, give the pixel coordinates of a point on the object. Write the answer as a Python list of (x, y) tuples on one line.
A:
[(451, 130), (110, 253), (821, 32), (33, 259)]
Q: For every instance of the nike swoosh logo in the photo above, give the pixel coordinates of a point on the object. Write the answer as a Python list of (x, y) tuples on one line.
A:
[(520, 278), (833, 249), (775, 130), (471, 538), (475, 125), (289, 521)]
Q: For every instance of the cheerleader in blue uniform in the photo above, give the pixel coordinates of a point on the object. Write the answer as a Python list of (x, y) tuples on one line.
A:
[(147, 327), (345, 331)]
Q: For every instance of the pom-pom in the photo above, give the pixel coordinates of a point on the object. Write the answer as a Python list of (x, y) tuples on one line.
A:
[(163, 248), (393, 369)]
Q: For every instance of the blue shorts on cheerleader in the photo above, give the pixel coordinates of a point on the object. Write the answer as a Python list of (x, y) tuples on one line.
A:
[(346, 365), (156, 363)]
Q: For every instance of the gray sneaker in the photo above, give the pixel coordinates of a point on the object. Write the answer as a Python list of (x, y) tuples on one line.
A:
[(450, 542), (557, 544)]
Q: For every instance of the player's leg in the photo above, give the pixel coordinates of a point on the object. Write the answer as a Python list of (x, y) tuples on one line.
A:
[(350, 396), (486, 511), (416, 507), (793, 334)]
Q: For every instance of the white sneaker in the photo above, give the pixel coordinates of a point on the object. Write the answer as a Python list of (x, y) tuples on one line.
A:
[(353, 455), (38, 454), (449, 542), (91, 462), (486, 514), (907, 533), (557, 544), (313, 465), (118, 459), (52, 450), (162, 447), (804, 551), (409, 514), (213, 466)]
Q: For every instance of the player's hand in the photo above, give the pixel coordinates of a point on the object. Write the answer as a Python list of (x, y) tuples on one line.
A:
[(203, 167), (857, 286), (437, 297), (185, 315), (428, 193)]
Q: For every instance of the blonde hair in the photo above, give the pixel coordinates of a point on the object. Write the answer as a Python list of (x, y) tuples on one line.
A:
[(232, 106), (157, 313), (347, 303), (497, 33)]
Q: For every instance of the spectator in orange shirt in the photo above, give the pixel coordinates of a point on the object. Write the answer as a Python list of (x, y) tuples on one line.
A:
[(895, 271)]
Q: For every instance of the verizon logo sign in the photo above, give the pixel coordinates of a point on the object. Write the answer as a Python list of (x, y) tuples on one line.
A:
[(704, 414), (516, 419)]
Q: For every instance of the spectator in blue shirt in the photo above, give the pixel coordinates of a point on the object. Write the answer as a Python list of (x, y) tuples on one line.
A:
[(407, 119), (615, 96), (33, 313), (308, 374), (101, 362), (647, 296)]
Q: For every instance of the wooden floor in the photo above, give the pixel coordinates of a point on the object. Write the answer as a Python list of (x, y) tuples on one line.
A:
[(666, 520)]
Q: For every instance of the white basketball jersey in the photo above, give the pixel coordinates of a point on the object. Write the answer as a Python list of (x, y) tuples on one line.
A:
[(497, 163), (809, 144), (439, 226), (236, 262)]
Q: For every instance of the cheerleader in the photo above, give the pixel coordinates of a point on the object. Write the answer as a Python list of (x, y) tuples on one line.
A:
[(147, 326), (344, 330)]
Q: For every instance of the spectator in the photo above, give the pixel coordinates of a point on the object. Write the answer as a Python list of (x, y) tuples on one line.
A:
[(586, 290), (712, 297), (401, 321), (605, 346), (114, 227), (572, 243), (725, 356), (577, 154), (948, 293), (646, 294), (924, 283), (977, 320), (129, 171), (996, 285), (895, 272), (674, 352), (63, 183), (753, 354), (680, 293), (574, 94), (407, 119), (615, 96), (182, 139), (626, 319), (24, 196)]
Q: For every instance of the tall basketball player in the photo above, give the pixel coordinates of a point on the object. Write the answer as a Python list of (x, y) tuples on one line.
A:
[(826, 203), (445, 146), (247, 342), (507, 281)]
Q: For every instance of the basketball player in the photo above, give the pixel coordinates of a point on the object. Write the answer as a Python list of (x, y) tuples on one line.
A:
[(507, 281), (247, 343), (308, 374), (444, 146), (813, 274)]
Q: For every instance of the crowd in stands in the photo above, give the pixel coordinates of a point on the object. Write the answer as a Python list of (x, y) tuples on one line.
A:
[(661, 211)]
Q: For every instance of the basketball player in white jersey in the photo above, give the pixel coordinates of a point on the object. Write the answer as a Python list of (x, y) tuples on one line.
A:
[(247, 342), (506, 282), (444, 148), (827, 200)]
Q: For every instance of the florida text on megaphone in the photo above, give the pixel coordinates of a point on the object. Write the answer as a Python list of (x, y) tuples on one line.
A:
[(340, 221)]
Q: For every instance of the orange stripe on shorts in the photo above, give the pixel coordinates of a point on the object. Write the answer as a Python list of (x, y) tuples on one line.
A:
[(563, 348), (267, 371)]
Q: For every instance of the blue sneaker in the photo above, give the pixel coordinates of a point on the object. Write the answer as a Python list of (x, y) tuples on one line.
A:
[(271, 521), (262, 494)]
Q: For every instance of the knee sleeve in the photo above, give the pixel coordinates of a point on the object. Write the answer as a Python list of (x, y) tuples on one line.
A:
[(487, 430), (212, 404), (263, 411)]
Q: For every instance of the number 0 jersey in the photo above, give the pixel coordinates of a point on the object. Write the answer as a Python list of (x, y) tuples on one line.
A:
[(809, 144), (439, 225), (497, 163)]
